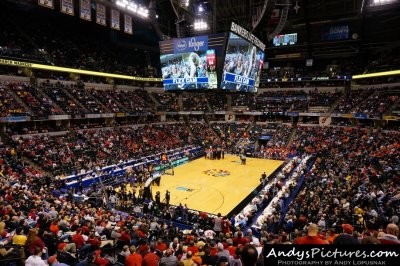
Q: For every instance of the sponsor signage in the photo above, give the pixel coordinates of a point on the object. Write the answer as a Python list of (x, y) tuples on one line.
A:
[(15, 119), (335, 32), (292, 113), (360, 116), (192, 44), (245, 34)]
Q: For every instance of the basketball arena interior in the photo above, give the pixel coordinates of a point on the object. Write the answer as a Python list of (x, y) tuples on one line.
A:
[(198, 132)]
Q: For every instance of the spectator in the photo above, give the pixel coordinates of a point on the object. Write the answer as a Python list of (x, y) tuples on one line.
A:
[(134, 259), (391, 236), (36, 258), (169, 259), (312, 236)]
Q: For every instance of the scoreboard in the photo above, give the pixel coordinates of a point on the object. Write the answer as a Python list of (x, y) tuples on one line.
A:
[(285, 39)]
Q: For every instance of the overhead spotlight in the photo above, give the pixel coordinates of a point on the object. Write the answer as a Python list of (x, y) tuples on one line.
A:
[(200, 25), (200, 9), (133, 7)]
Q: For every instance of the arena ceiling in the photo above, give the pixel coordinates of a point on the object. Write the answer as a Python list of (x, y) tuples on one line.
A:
[(372, 27)]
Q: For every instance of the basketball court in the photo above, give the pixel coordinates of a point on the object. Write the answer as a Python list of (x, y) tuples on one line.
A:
[(215, 186)]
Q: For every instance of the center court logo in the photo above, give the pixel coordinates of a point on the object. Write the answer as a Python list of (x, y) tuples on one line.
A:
[(216, 172)]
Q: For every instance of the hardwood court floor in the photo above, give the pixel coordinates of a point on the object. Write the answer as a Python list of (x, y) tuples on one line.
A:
[(200, 190)]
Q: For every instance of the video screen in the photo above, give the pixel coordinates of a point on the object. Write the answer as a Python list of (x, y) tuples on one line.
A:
[(285, 39), (189, 71), (242, 66)]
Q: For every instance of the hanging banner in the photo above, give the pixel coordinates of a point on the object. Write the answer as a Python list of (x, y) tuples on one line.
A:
[(67, 7), (101, 14), (46, 3), (115, 19), (85, 11), (325, 121), (128, 24)]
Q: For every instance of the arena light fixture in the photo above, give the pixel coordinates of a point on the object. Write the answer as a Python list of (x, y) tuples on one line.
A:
[(377, 74), (200, 25), (16, 63), (381, 2), (201, 8), (133, 7)]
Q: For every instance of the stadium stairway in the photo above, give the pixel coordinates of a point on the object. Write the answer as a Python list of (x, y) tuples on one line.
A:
[(75, 100), (215, 133), (392, 107), (101, 104), (19, 100), (292, 136), (375, 93), (209, 106), (335, 104), (41, 92), (156, 103), (191, 132)]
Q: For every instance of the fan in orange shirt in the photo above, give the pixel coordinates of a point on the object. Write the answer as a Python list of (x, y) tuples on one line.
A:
[(312, 237), (331, 235)]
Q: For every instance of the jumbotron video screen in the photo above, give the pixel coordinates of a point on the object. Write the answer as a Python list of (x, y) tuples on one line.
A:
[(189, 71), (242, 66)]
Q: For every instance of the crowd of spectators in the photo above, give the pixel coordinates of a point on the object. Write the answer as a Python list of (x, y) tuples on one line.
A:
[(352, 100), (280, 189), (350, 193), (85, 98), (218, 102), (8, 104), (277, 145), (92, 149), (46, 228), (377, 104), (370, 101), (243, 100), (323, 98), (353, 181), (60, 44), (40, 105), (275, 101), (195, 102), (167, 101), (204, 133), (62, 98), (136, 101), (55, 99), (270, 188)]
